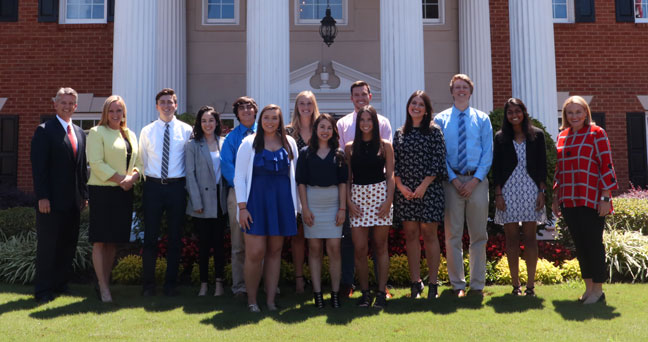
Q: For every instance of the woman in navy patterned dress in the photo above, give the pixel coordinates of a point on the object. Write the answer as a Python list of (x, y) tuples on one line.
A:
[(520, 171), (420, 168)]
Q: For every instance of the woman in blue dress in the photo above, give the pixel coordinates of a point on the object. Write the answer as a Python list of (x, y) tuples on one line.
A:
[(266, 193)]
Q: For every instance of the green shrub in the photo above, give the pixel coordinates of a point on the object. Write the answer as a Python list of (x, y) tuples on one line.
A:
[(129, 270), (570, 270), (630, 213), (18, 256), (503, 273), (548, 273), (626, 254), (17, 220)]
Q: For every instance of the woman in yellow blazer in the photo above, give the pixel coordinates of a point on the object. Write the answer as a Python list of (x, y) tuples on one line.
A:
[(112, 153)]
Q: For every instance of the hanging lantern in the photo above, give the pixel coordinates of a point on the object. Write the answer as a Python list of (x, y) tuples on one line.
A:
[(328, 31)]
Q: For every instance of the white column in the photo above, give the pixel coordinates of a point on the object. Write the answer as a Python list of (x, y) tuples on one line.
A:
[(171, 51), (401, 56), (533, 60), (268, 55), (134, 59), (475, 51)]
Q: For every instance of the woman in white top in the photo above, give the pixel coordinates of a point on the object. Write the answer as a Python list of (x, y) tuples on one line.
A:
[(207, 204), (266, 192)]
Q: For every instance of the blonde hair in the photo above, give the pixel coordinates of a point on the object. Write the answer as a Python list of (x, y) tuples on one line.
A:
[(579, 101), (295, 123), (106, 107), (464, 78)]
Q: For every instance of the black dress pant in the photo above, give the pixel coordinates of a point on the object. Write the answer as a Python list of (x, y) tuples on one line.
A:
[(586, 229), (57, 237), (210, 236), (157, 199)]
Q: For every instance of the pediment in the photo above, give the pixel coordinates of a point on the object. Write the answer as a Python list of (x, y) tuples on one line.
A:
[(336, 98)]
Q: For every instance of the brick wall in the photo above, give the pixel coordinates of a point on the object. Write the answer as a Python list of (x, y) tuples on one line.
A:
[(38, 58), (604, 59)]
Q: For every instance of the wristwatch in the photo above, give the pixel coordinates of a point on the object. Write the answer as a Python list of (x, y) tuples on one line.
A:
[(605, 198)]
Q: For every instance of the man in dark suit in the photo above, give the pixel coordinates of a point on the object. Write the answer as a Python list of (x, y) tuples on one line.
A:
[(60, 175)]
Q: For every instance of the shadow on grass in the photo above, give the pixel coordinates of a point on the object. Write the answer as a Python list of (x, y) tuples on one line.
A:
[(572, 310), (447, 303), (18, 305), (509, 303)]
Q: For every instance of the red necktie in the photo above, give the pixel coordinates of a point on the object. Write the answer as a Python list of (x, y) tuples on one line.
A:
[(72, 140)]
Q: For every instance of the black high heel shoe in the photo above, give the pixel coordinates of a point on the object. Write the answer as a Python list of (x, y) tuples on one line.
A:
[(335, 299), (319, 300)]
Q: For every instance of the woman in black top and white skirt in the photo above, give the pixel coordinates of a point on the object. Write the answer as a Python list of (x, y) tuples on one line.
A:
[(322, 175), (519, 170), (371, 183)]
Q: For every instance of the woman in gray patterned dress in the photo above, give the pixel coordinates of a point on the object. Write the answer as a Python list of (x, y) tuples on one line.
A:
[(520, 171), (420, 168)]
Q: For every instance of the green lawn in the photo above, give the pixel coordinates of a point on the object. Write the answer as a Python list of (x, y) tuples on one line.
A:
[(553, 316)]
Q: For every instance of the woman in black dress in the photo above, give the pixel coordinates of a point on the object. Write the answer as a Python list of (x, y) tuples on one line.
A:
[(420, 168)]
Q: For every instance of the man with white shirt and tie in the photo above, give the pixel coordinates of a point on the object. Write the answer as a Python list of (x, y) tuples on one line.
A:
[(162, 151), (469, 145)]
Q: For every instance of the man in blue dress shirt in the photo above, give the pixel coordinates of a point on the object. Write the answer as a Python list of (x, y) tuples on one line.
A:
[(469, 145), (245, 109)]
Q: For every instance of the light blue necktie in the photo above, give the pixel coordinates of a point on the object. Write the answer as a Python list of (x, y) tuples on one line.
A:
[(461, 151)]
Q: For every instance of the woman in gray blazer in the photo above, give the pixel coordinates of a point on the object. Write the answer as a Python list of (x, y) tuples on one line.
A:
[(207, 203)]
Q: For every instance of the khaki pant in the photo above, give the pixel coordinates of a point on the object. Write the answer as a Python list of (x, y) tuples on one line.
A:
[(238, 244), (473, 211)]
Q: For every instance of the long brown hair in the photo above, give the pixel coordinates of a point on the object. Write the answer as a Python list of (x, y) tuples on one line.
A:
[(259, 143), (427, 117), (333, 142), (376, 141)]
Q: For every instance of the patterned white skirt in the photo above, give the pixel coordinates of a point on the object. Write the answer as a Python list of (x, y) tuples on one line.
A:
[(369, 198)]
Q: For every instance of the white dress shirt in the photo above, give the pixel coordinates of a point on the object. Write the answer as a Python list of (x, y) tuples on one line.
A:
[(151, 144), (347, 125)]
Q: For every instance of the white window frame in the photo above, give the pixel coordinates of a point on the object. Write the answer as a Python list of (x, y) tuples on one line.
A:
[(570, 13), (227, 21), (342, 21), (440, 20), (639, 20), (95, 117), (64, 20)]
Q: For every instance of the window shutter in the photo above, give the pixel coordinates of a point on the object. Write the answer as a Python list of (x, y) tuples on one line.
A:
[(624, 11), (584, 11), (9, 10), (48, 11), (111, 10)]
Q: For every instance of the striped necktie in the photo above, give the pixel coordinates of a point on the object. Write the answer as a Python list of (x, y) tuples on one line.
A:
[(462, 158), (165, 152)]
